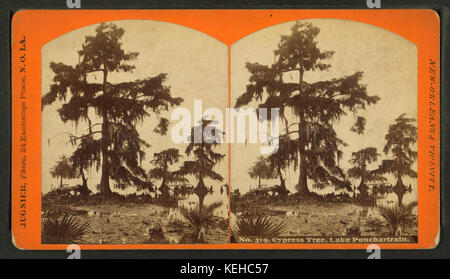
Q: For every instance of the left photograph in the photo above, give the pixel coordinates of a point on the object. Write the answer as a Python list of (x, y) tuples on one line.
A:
[(121, 164)]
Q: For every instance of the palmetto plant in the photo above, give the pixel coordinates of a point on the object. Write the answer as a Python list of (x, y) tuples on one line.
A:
[(67, 229), (396, 215), (199, 218), (261, 226)]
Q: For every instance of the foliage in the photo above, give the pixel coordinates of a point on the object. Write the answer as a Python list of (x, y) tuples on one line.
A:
[(316, 105), (381, 189), (199, 217), (65, 230), (261, 226), (281, 160), (261, 169), (161, 163), (360, 160), (86, 154), (63, 169), (335, 198), (396, 215), (205, 158), (114, 143), (400, 141)]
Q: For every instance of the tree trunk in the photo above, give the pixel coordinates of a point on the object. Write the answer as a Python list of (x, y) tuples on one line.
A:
[(201, 191), (164, 189), (302, 179), (399, 189), (201, 199), (362, 188), (105, 189), (83, 178), (283, 191), (104, 181), (400, 199), (60, 182), (282, 180), (259, 182)]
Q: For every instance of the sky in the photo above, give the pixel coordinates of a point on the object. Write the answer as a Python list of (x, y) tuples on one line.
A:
[(197, 68)]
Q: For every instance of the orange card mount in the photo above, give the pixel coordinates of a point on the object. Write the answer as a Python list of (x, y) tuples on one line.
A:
[(225, 129)]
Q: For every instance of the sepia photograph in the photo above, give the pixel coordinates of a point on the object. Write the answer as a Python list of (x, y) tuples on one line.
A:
[(344, 163), (136, 134), (277, 132), (115, 170)]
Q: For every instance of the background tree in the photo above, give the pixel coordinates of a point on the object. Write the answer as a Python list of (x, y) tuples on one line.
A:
[(81, 163), (161, 162), (199, 218), (261, 169), (400, 141), (63, 169), (119, 106), (316, 106), (360, 160), (205, 159)]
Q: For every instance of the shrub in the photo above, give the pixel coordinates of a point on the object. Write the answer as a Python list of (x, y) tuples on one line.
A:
[(199, 218), (396, 215), (156, 235), (67, 229), (261, 226)]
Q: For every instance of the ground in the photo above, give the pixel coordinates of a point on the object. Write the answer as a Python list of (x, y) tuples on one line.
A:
[(128, 222), (132, 223), (330, 219)]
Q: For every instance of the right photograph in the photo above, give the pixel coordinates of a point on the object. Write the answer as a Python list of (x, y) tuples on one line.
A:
[(342, 166)]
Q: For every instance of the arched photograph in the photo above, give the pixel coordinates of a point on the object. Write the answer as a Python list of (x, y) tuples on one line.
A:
[(344, 157), (115, 167)]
